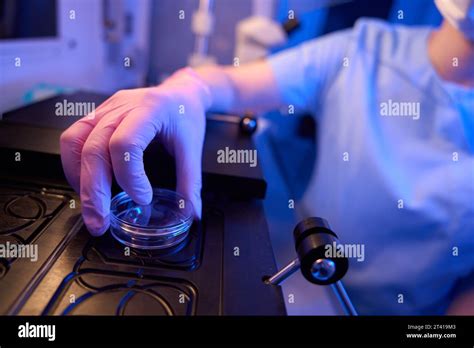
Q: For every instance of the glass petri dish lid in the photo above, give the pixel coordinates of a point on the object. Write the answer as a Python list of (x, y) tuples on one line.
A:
[(163, 223)]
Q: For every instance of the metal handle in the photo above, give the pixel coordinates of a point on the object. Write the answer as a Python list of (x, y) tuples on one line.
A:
[(284, 273)]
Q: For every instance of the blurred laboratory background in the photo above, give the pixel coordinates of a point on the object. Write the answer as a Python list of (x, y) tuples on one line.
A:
[(52, 47)]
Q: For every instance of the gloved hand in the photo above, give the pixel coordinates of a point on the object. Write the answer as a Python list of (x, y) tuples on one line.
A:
[(112, 140)]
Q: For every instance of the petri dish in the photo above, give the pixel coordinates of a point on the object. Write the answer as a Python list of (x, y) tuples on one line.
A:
[(163, 223)]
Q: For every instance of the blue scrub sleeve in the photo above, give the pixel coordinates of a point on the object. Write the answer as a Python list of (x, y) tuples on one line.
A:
[(303, 72)]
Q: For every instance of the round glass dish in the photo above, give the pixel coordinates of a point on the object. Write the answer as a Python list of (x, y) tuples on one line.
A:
[(161, 224)]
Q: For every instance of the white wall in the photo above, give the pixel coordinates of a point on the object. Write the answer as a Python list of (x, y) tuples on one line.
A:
[(77, 59)]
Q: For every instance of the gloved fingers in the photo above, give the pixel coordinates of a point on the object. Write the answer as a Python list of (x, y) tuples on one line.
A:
[(126, 148), (188, 146), (96, 174), (72, 141)]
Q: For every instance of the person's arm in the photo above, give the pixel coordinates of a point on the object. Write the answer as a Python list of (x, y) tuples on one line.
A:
[(296, 76), (112, 141), (239, 89)]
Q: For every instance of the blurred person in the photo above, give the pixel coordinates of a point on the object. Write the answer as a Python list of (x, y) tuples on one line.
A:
[(395, 165)]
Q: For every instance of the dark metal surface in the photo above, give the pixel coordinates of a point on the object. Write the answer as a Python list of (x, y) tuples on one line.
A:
[(217, 270), (80, 274), (31, 215)]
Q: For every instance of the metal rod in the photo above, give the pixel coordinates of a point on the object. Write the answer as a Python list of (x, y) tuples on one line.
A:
[(284, 273), (343, 297)]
